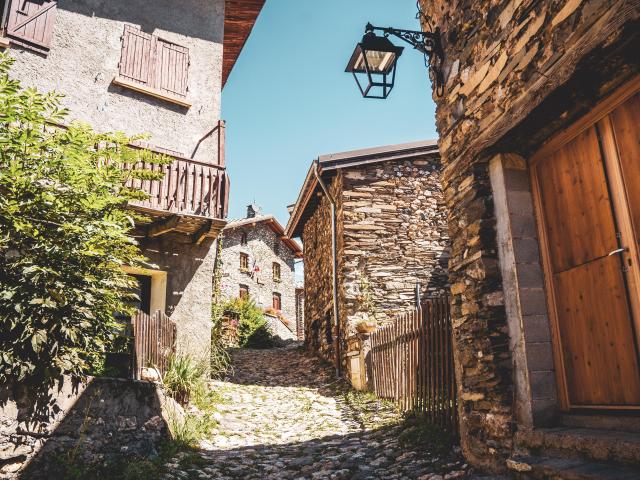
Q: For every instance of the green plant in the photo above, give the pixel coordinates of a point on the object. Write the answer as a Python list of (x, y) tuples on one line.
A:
[(220, 360), (184, 378), (64, 227), (251, 318)]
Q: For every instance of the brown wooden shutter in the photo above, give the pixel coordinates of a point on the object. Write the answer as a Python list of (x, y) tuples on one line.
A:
[(136, 58), (30, 23), (153, 62), (172, 65)]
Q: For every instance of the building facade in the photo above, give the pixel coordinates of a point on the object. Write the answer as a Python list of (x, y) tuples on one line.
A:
[(538, 127), (139, 67), (390, 235), (258, 262)]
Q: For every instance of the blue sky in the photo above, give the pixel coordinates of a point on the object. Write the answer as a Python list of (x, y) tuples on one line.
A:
[(288, 99)]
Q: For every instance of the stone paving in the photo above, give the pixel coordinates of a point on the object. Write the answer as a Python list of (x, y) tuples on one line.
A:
[(284, 416)]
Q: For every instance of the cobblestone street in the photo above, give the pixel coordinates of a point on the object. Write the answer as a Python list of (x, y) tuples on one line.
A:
[(284, 416)]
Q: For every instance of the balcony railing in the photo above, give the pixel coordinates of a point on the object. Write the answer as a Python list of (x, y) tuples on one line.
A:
[(189, 187)]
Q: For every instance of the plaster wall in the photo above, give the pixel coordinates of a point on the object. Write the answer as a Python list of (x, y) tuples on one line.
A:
[(84, 57), (189, 284)]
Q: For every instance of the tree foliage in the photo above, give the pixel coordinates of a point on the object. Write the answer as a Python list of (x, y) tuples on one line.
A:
[(63, 234)]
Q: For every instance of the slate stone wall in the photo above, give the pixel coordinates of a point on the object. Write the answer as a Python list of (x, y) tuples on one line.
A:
[(516, 72), (391, 234), (86, 423), (319, 329)]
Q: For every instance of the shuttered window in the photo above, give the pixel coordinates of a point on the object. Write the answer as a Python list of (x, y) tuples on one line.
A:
[(30, 23), (276, 271), (152, 65), (244, 262), (277, 301)]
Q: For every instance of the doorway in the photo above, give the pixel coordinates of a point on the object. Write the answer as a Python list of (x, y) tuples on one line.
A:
[(586, 185)]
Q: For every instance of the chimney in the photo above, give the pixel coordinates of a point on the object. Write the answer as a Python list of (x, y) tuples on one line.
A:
[(253, 210)]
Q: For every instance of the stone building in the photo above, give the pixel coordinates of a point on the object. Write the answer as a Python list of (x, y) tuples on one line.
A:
[(258, 261), (138, 66), (390, 234), (539, 134)]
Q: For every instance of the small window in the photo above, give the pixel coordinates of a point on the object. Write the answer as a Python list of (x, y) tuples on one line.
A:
[(244, 262), (244, 292), (276, 272), (277, 301), (243, 238), (30, 24), (151, 65)]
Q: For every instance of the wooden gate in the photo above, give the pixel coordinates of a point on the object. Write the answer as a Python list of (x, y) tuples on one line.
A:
[(412, 363), (154, 340)]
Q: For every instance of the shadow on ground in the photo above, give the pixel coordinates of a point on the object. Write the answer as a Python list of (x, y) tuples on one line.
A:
[(371, 454)]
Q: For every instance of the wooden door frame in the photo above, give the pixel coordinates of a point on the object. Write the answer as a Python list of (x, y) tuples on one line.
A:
[(596, 117)]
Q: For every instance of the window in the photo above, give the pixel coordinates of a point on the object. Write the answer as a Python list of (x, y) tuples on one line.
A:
[(244, 292), (243, 238), (30, 24), (277, 301), (149, 64), (276, 272), (244, 262)]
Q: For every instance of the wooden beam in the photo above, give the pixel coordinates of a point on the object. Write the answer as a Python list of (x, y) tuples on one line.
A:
[(210, 228), (203, 232), (163, 226), (125, 83)]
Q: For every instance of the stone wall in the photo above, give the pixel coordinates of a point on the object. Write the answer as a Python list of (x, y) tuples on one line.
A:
[(261, 241), (391, 234), (189, 270), (319, 329), (516, 71), (84, 57), (85, 423), (279, 329), (395, 236)]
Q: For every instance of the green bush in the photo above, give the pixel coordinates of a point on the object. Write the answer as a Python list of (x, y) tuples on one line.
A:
[(251, 318), (64, 227)]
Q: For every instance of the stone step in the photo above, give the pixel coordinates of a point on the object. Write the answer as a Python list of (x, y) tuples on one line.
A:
[(531, 467), (623, 423), (582, 443)]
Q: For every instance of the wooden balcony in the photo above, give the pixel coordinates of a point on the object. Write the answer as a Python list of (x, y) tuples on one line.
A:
[(192, 199)]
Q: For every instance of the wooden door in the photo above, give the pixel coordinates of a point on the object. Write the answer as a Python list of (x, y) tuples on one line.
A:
[(587, 191)]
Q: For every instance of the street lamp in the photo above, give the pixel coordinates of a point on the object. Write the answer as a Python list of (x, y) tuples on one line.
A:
[(375, 58)]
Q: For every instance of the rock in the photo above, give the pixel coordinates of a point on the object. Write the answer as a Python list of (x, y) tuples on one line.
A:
[(150, 374), (285, 417)]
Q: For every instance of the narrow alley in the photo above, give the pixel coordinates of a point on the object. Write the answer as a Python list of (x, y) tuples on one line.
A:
[(284, 416)]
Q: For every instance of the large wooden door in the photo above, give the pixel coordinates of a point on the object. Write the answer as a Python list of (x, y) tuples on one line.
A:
[(587, 191)]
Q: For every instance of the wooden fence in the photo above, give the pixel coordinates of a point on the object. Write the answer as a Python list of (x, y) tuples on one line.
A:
[(154, 339), (412, 363)]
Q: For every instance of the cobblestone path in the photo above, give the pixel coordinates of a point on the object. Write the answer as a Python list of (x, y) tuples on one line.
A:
[(284, 416)]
